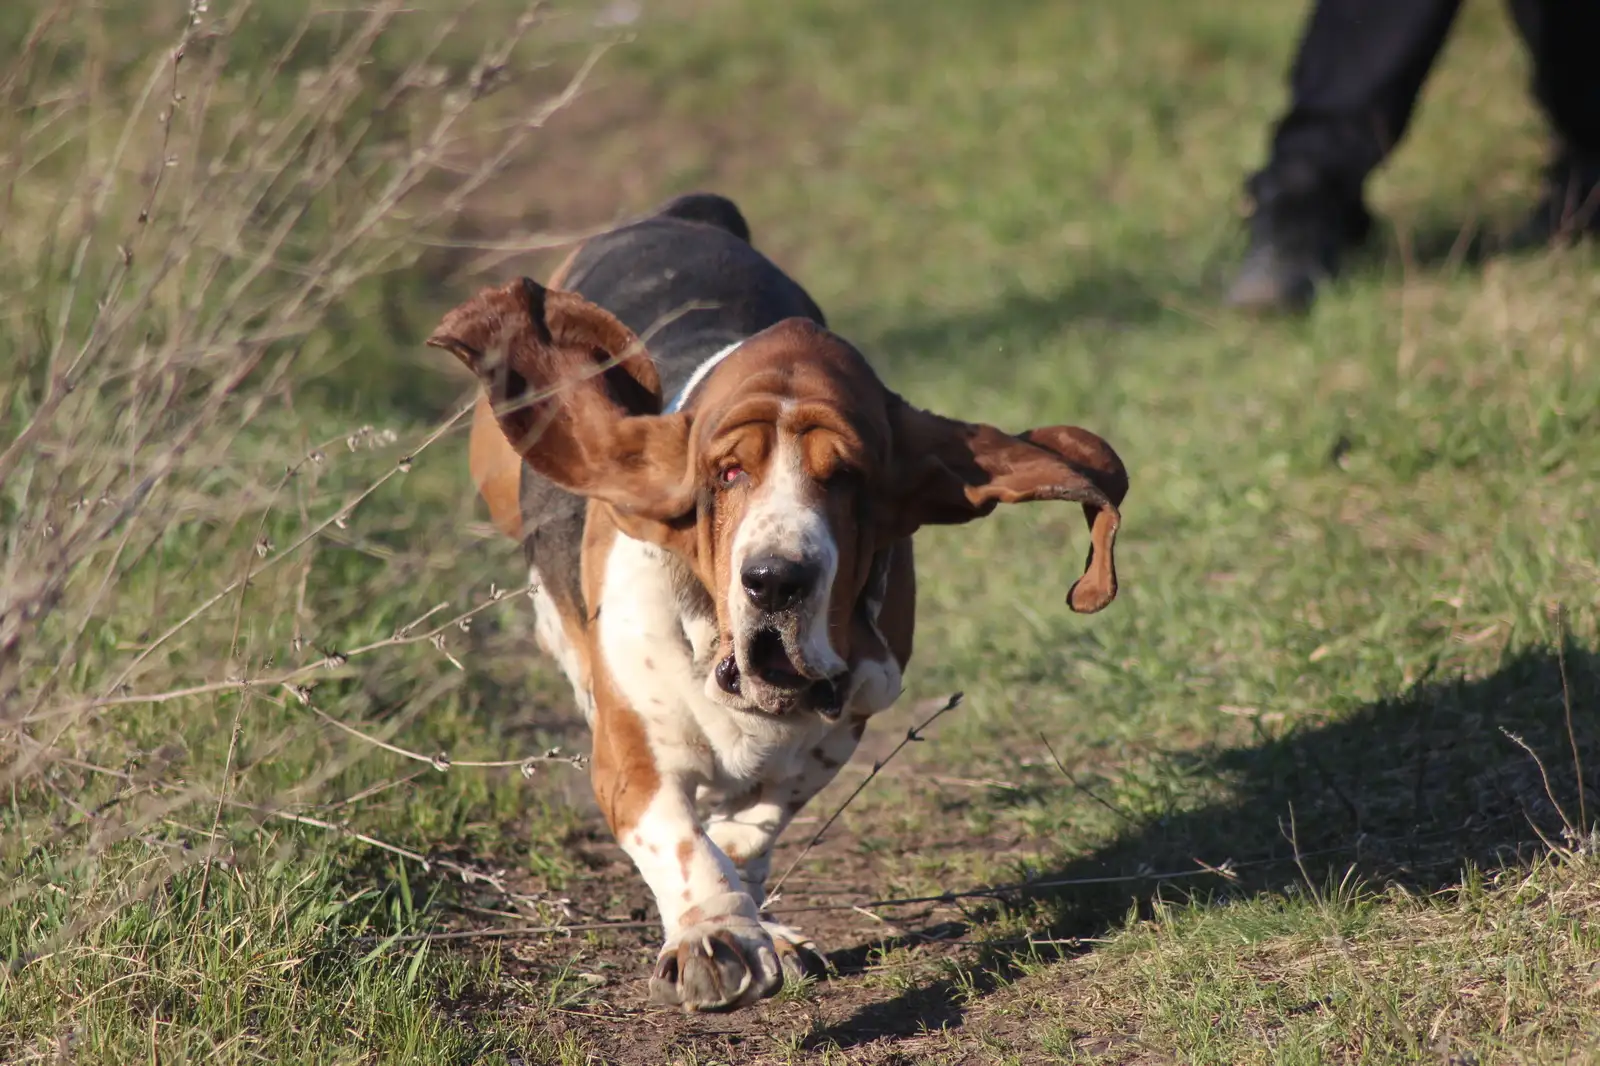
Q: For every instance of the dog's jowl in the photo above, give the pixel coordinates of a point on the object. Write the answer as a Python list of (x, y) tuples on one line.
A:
[(716, 496)]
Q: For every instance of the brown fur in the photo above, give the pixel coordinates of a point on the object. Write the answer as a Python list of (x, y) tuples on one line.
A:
[(496, 467), (576, 396), (496, 470), (624, 774)]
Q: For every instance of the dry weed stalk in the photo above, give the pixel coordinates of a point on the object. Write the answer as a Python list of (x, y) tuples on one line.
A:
[(185, 230), (1584, 824), (940, 708)]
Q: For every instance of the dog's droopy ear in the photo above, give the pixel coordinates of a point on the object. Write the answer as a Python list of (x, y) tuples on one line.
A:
[(952, 472), (577, 396)]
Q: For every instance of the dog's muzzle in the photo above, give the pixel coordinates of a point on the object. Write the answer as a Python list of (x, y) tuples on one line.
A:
[(774, 685)]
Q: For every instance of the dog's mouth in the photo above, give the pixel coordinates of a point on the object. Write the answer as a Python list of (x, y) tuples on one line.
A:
[(772, 679)]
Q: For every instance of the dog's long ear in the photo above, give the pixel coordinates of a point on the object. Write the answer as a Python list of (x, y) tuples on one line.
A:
[(577, 396), (949, 472)]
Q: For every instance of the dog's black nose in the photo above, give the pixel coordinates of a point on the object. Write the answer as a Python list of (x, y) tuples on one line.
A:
[(774, 583)]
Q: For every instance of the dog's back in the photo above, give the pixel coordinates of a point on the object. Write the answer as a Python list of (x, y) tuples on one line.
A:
[(688, 282)]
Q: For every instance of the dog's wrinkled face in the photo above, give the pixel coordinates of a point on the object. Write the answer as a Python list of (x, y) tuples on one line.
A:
[(790, 443), (782, 481)]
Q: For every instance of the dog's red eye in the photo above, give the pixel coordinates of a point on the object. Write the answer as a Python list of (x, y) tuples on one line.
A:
[(730, 474)]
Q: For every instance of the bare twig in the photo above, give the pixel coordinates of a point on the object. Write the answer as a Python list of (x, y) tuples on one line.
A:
[(442, 761), (1228, 870), (373, 790), (222, 794), (1549, 791), (912, 734), (525, 930), (1073, 781), (304, 539), (330, 660), (334, 827), (1566, 706), (942, 779), (1017, 888)]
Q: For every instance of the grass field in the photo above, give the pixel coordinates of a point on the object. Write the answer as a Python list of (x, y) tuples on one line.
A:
[(1319, 787)]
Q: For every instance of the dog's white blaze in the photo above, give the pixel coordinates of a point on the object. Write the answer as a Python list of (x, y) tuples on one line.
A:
[(781, 521), (658, 649), (657, 639)]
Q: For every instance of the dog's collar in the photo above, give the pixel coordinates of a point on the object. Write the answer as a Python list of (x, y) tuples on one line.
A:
[(699, 376)]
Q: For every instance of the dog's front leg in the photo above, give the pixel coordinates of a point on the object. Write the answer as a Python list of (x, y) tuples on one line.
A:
[(747, 827), (717, 954)]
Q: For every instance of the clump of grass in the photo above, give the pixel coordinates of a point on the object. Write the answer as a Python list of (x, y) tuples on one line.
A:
[(1497, 969), (217, 601)]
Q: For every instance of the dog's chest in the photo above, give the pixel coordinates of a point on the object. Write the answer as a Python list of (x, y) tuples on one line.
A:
[(656, 645)]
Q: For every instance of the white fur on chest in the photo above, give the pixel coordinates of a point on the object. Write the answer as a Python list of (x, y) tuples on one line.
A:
[(658, 636)]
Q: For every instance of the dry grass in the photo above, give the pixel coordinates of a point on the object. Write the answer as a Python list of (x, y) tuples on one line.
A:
[(202, 587)]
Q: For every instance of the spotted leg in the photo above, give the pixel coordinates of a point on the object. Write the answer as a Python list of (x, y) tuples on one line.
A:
[(746, 829), (716, 954)]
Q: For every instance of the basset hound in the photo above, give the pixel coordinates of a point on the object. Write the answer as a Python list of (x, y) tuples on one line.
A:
[(716, 498)]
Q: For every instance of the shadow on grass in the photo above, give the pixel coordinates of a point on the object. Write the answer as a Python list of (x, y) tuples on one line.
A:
[(1411, 789)]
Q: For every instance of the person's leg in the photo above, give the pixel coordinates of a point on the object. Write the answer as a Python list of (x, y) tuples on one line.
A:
[(1354, 82), (1563, 37)]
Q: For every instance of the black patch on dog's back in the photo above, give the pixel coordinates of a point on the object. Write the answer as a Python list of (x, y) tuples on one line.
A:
[(689, 283), (709, 209)]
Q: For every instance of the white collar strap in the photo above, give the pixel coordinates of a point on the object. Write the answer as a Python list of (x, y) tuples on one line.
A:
[(698, 376)]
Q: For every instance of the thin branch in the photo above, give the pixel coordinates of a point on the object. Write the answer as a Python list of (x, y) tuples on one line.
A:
[(1073, 781), (372, 790), (1228, 870), (329, 661), (222, 794), (914, 733), (1015, 888), (1572, 831), (526, 930), (942, 779), (342, 830), (442, 760), (401, 467), (1566, 704)]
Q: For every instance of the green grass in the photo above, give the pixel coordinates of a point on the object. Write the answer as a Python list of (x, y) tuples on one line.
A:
[(1359, 551)]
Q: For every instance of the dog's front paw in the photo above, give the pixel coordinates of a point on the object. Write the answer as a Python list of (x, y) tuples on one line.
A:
[(797, 953), (717, 963)]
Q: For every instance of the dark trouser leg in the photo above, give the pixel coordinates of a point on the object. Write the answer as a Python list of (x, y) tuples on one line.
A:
[(1355, 80), (1360, 67), (1563, 36)]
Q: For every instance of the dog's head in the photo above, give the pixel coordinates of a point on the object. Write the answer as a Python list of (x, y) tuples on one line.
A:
[(782, 477)]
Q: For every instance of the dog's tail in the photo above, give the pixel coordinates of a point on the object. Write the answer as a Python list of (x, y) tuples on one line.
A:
[(708, 209)]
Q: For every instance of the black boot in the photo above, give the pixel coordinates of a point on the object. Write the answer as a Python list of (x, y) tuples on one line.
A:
[(1299, 228), (1569, 203)]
